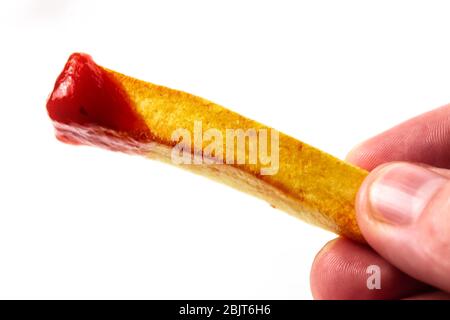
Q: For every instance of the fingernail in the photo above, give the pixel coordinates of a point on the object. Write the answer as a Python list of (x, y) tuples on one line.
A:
[(401, 192)]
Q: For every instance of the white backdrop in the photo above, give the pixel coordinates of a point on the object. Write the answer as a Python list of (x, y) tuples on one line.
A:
[(79, 222)]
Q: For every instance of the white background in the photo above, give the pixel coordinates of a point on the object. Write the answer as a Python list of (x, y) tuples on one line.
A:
[(79, 222)]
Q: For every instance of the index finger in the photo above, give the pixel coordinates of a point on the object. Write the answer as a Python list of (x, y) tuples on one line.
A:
[(424, 139)]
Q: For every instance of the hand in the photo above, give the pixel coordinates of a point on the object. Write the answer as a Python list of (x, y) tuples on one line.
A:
[(403, 211)]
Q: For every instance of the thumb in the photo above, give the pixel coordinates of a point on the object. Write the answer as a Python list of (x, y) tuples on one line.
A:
[(403, 211)]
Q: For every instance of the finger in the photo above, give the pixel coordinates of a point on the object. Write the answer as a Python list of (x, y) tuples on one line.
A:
[(340, 271), (403, 211), (425, 139)]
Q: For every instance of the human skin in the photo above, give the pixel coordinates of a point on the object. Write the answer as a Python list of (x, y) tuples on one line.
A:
[(403, 211)]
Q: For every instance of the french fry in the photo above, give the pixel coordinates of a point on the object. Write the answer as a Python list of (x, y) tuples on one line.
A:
[(96, 106)]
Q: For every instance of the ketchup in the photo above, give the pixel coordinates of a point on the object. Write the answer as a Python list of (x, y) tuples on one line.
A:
[(89, 106)]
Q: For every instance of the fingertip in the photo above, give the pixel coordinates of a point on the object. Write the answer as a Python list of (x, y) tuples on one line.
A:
[(339, 271), (318, 268), (353, 155), (365, 155), (423, 139), (400, 211)]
